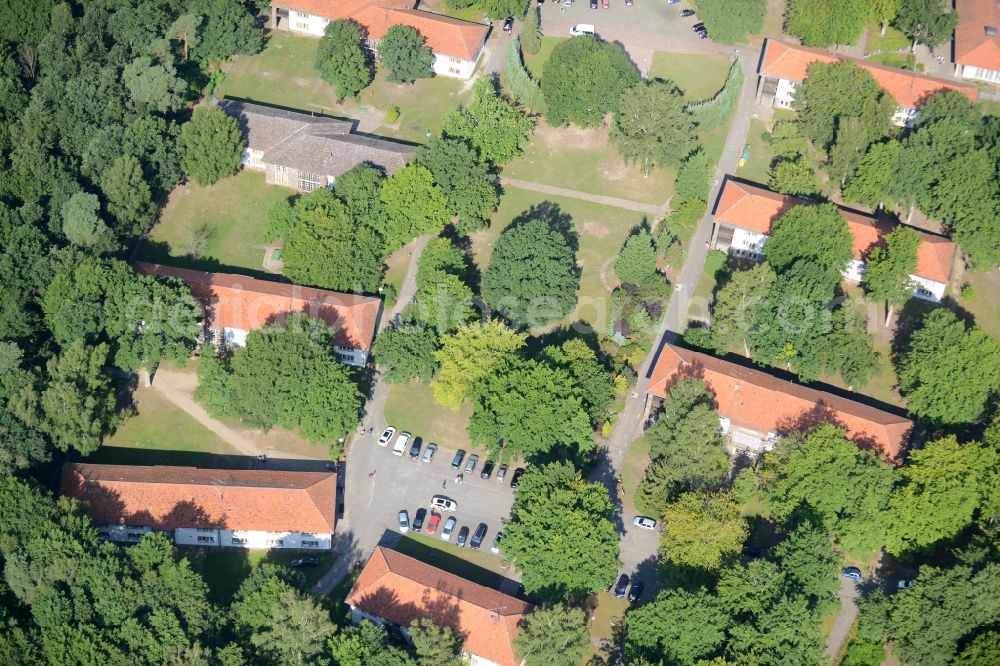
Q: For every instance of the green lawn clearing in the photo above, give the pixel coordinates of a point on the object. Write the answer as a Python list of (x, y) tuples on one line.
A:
[(283, 75), (633, 471), (536, 63), (989, 107), (395, 273), (757, 167), (224, 570), (699, 76), (609, 617), (601, 231), (715, 266), (412, 408), (893, 40), (479, 566), (215, 228), (585, 160), (980, 299)]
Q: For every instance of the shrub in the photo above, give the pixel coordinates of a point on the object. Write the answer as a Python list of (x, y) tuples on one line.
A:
[(516, 78), (714, 112), (392, 114)]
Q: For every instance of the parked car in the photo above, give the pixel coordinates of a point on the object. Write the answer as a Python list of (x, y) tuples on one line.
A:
[(582, 29), (463, 536), (477, 538), (429, 451), (418, 519), (605, 4), (673, 2), (621, 586), (305, 562), (386, 436), (443, 503), (449, 527), (404, 521), (415, 449), (401, 442), (703, 34), (851, 572), (645, 522), (502, 472), (593, 4), (487, 469), (635, 592), (698, 26), (508, 24), (687, 12), (628, 3), (432, 524), (515, 478), (470, 466), (905, 584), (495, 548), (456, 462)]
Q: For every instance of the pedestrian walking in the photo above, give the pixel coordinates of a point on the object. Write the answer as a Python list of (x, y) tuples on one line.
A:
[(444, 484), (371, 474)]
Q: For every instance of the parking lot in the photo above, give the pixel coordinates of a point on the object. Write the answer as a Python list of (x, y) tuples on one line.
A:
[(378, 484)]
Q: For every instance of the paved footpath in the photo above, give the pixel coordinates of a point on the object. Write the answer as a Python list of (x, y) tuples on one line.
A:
[(638, 549), (586, 196)]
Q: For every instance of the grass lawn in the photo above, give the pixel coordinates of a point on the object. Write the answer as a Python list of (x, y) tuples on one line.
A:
[(698, 76), (989, 107), (894, 40), (411, 408), (283, 75), (224, 570), (601, 230), (479, 566), (609, 615), (230, 217), (715, 264), (634, 471), (759, 164), (982, 301), (536, 63), (395, 273)]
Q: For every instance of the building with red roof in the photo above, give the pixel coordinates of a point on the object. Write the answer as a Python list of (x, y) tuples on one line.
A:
[(784, 66), (745, 212), (977, 44), (457, 44), (396, 589), (756, 408), (234, 305), (207, 507)]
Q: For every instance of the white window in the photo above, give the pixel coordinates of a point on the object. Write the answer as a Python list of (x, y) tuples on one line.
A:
[(206, 539), (310, 544), (455, 61), (239, 540), (302, 25), (454, 70), (275, 542), (307, 182), (280, 174)]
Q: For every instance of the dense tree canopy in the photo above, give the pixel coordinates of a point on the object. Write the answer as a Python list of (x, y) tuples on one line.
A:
[(407, 352), (888, 267), (405, 54), (816, 234), (702, 530), (636, 261), (468, 184), (471, 354), (211, 144), (836, 92), (560, 535), (490, 124), (729, 23), (340, 60), (926, 21), (585, 78), (286, 375), (553, 636), (414, 205), (651, 127), (532, 277), (948, 371), (822, 24)]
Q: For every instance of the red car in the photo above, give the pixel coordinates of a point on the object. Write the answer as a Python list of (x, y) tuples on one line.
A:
[(605, 4), (432, 524)]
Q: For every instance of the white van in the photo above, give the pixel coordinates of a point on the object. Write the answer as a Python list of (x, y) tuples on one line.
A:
[(401, 442), (582, 29)]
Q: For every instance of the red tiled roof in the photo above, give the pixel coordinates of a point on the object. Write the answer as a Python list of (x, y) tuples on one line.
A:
[(909, 89), (166, 498), (400, 589), (755, 208), (246, 303), (445, 35), (972, 45), (763, 403)]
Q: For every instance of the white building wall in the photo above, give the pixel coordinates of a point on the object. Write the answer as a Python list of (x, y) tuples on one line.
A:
[(456, 68), (306, 24), (207, 537), (253, 159), (747, 241), (978, 73), (123, 533), (784, 95), (351, 355), (251, 539), (855, 270), (929, 290)]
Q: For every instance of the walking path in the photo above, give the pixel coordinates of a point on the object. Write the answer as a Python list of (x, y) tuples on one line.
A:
[(629, 424), (178, 388), (409, 287), (586, 196), (848, 595)]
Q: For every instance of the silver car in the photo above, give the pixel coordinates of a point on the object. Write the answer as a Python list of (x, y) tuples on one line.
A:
[(404, 521), (449, 527), (645, 522)]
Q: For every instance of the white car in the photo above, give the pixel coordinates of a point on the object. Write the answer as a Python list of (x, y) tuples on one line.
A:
[(443, 503), (404, 521), (905, 584), (386, 436), (401, 442), (495, 548), (581, 29), (644, 522), (449, 527)]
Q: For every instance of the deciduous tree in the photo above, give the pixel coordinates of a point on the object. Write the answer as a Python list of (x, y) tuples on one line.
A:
[(583, 79), (127, 194), (490, 124), (793, 176), (340, 60), (472, 353), (154, 86), (948, 372), (833, 91), (227, 28), (702, 530), (871, 183), (888, 269), (651, 126), (678, 627), (414, 205), (468, 184), (211, 144), (926, 21), (407, 352), (553, 636), (821, 24), (560, 534), (435, 646), (816, 234), (83, 226), (404, 53)]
